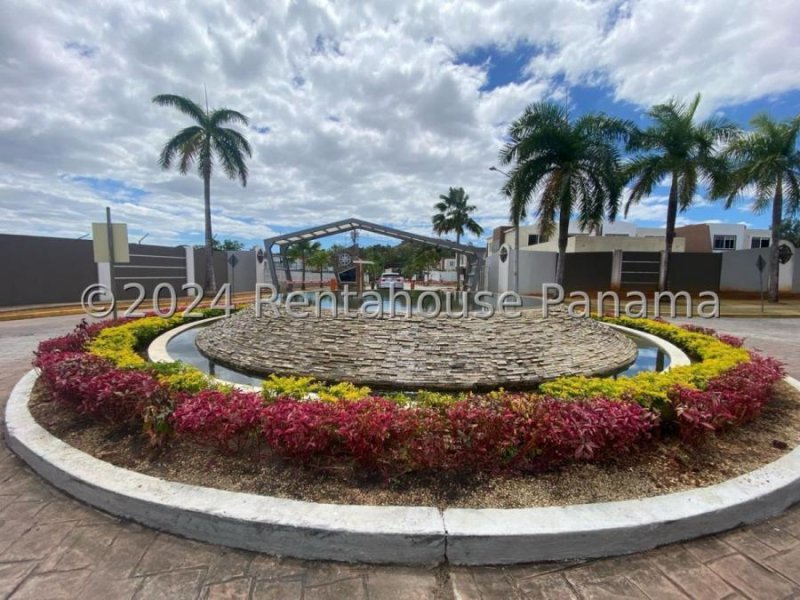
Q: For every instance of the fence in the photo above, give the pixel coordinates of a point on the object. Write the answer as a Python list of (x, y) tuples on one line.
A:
[(45, 270)]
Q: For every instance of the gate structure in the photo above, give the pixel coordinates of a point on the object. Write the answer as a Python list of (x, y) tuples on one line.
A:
[(476, 257)]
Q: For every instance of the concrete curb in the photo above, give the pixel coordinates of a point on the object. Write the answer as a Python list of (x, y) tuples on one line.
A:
[(157, 350), (677, 357), (408, 535), (308, 530)]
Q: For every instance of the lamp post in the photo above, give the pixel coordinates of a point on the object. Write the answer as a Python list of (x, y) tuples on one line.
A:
[(515, 221)]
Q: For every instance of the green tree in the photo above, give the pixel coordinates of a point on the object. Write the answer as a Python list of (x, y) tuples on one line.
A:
[(454, 215), (319, 259), (224, 244), (766, 160), (790, 230), (568, 166), (201, 143), (420, 261), (676, 146), (302, 251)]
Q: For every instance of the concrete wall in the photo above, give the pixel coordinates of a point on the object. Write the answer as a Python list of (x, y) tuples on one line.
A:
[(220, 266), (243, 276), (739, 271), (149, 266), (695, 271), (588, 271), (44, 270), (609, 243), (536, 269)]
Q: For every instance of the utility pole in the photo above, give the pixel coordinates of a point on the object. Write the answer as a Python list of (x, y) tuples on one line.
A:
[(110, 230)]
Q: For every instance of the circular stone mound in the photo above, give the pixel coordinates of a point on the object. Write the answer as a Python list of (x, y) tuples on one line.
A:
[(411, 353)]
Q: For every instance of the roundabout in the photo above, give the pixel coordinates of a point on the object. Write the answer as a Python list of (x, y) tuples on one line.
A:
[(398, 534), (754, 560)]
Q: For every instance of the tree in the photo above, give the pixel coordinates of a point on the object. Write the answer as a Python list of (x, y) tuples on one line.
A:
[(677, 147), (454, 216), (201, 143), (766, 160), (301, 251), (423, 258), (224, 244), (319, 259), (567, 166), (790, 230)]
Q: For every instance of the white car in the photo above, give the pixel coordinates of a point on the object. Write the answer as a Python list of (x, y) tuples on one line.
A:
[(390, 281)]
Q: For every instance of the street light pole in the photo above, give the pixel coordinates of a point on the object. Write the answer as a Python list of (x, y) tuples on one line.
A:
[(515, 222)]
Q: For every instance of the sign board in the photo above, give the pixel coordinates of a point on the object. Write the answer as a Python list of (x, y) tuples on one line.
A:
[(233, 261), (760, 263), (119, 232)]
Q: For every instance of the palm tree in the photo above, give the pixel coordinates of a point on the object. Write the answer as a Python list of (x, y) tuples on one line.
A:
[(677, 147), (202, 142), (301, 251), (568, 166), (453, 215), (319, 259), (767, 161)]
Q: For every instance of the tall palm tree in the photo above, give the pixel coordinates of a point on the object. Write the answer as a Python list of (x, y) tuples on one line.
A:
[(678, 147), (201, 143), (767, 161), (302, 251), (567, 166), (454, 216)]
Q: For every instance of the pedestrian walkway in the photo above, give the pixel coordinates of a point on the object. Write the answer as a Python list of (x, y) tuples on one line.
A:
[(54, 547)]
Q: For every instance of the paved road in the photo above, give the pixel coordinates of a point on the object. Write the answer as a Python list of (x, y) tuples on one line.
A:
[(54, 547)]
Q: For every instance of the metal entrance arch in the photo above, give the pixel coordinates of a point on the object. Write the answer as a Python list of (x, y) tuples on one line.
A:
[(476, 257)]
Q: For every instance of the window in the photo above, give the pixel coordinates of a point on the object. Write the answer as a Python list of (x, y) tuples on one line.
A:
[(759, 242), (724, 242), (533, 239)]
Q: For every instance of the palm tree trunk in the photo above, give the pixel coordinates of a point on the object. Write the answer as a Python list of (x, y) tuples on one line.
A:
[(563, 237), (672, 215), (211, 281), (303, 274), (774, 264)]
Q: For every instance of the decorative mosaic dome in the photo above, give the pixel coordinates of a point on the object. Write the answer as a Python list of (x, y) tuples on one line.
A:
[(470, 353)]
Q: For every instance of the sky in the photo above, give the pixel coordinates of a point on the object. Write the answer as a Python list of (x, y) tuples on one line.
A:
[(366, 109)]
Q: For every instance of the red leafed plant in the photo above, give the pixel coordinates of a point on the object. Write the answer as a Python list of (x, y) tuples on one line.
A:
[(591, 430), (735, 397), (229, 420), (75, 340)]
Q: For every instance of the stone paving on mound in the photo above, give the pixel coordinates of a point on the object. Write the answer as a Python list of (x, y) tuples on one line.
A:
[(54, 547), (415, 352)]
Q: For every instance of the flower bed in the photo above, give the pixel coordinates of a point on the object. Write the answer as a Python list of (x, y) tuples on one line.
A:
[(98, 371)]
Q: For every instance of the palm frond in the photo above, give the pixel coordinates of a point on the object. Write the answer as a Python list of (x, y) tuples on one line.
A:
[(184, 105)]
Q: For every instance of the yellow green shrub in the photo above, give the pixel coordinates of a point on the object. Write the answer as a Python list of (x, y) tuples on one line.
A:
[(650, 389), (301, 387), (120, 344)]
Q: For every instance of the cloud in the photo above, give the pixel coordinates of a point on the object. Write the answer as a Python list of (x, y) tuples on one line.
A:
[(364, 109)]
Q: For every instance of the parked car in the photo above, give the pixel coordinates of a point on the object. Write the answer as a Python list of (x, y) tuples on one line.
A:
[(389, 281)]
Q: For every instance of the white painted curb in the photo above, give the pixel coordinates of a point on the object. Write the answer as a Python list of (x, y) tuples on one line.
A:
[(410, 535), (157, 350), (374, 534), (677, 357)]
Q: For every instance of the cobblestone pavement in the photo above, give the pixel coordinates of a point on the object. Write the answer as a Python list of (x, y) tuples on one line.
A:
[(54, 547)]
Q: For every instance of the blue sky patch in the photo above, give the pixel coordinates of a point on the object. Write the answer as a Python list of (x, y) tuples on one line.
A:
[(503, 66), (112, 189)]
